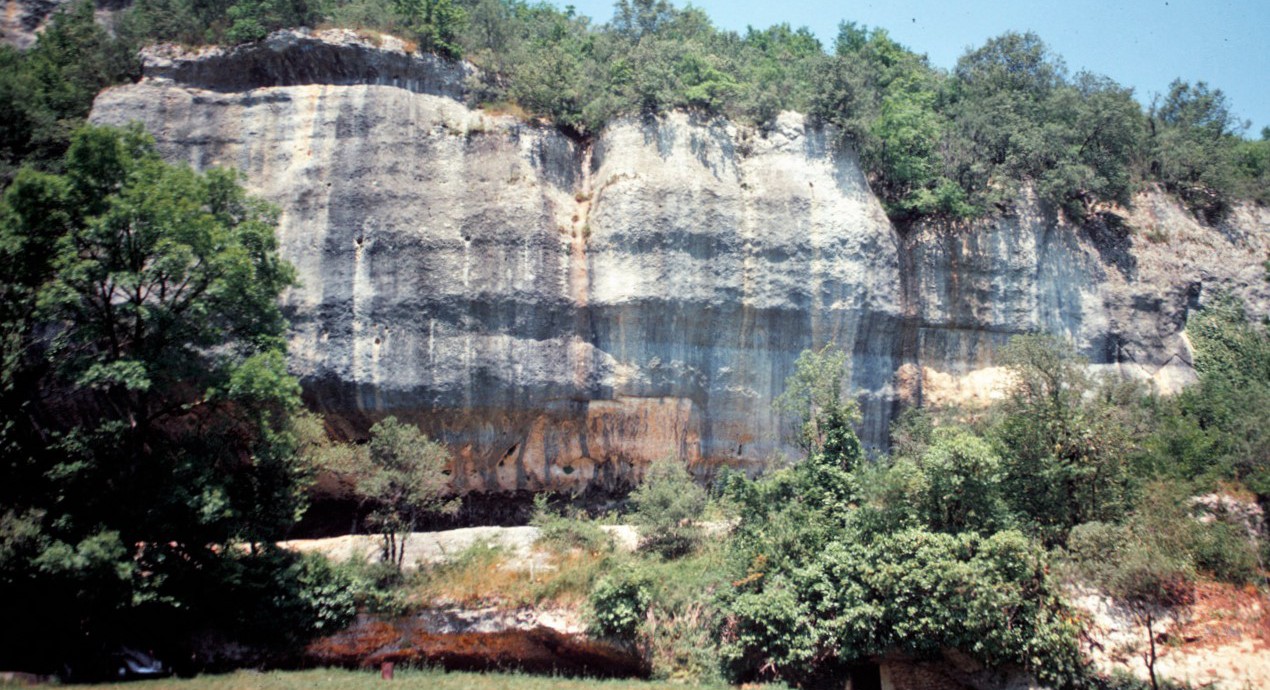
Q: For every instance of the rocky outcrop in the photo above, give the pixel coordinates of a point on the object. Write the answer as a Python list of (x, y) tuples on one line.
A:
[(1120, 287), (562, 312), (22, 20)]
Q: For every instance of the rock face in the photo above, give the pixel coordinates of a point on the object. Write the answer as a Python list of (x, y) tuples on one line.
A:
[(22, 20), (563, 312), (1120, 288)]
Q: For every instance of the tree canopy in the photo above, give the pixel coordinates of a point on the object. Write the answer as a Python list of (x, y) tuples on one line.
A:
[(839, 560), (934, 143), (146, 402)]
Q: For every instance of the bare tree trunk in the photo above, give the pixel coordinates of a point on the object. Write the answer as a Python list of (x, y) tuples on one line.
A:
[(1150, 656), (401, 550)]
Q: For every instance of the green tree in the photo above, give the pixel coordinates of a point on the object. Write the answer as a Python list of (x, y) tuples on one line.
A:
[(777, 71), (1193, 134), (960, 486), (401, 475), (1063, 445), (911, 592), (252, 20), (146, 398), (892, 105), (1216, 431), (1092, 129), (435, 23), (813, 398), (1000, 93), (557, 71), (491, 35), (47, 91), (834, 560), (667, 507)]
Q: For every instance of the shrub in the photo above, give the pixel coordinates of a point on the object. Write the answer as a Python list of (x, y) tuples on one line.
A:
[(912, 592), (1093, 549), (375, 587), (1063, 441), (570, 530), (327, 592), (1227, 553), (667, 506), (961, 490), (619, 604)]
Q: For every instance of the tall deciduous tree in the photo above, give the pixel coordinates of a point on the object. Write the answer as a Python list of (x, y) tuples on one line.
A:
[(1193, 136), (47, 91), (146, 398), (813, 398)]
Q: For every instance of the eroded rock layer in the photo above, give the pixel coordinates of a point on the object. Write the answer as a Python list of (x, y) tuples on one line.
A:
[(563, 312)]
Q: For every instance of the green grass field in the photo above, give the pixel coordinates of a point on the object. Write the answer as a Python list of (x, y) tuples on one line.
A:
[(336, 679)]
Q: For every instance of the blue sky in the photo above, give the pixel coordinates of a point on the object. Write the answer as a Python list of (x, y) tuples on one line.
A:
[(1140, 43)]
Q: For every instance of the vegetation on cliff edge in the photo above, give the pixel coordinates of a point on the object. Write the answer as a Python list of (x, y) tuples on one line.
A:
[(935, 144)]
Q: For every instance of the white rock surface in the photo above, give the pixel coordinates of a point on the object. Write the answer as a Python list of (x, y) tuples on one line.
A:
[(563, 312)]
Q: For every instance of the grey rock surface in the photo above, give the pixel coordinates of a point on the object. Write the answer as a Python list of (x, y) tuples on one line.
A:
[(1120, 288), (22, 20), (563, 312)]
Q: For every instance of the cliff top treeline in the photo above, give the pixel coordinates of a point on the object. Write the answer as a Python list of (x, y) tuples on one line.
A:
[(935, 143)]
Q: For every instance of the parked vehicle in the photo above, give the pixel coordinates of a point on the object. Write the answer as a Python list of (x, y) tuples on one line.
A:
[(132, 663)]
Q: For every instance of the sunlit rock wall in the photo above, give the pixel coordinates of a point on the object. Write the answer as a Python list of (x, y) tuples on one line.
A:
[(563, 312)]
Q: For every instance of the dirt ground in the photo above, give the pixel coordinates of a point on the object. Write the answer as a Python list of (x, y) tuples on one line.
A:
[(1221, 641)]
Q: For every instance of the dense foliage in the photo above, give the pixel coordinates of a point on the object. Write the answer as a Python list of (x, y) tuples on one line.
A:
[(1216, 431), (667, 507), (149, 458), (152, 447), (935, 143), (954, 540), (837, 561), (1065, 439), (47, 91)]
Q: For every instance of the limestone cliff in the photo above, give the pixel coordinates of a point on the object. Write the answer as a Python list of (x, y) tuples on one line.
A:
[(561, 312)]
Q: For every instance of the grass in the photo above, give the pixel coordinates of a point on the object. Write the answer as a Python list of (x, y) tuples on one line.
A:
[(485, 575), (677, 638), (507, 108), (334, 679)]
